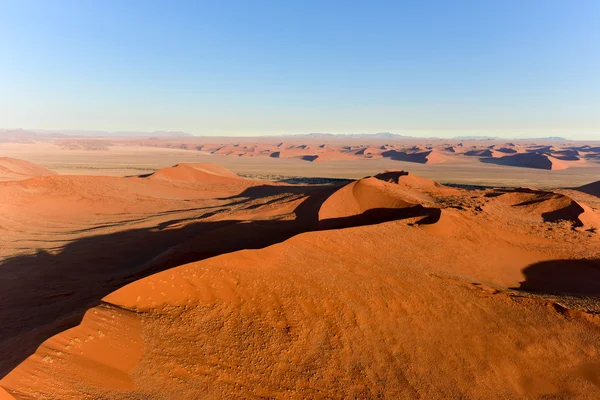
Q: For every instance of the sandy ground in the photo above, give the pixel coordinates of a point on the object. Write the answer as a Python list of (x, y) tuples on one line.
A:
[(122, 160), (193, 282)]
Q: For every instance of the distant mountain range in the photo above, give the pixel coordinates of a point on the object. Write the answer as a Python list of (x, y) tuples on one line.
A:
[(32, 133), (46, 133), (477, 138), (84, 133), (389, 135), (501, 138), (381, 135)]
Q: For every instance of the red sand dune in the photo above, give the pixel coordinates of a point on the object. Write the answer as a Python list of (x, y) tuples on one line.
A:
[(12, 169), (566, 155), (529, 160), (435, 157), (392, 286), (360, 196), (195, 173), (387, 190), (546, 206)]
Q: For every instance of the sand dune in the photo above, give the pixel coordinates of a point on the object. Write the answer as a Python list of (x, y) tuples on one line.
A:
[(480, 153), (545, 154), (507, 150), (363, 195), (529, 160), (547, 207), (385, 191), (196, 283), (195, 173), (566, 155), (12, 169)]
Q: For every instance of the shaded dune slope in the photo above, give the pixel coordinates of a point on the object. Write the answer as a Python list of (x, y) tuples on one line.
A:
[(529, 160), (591, 188), (421, 157)]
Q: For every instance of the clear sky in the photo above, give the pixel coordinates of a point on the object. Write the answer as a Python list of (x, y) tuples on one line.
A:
[(508, 67)]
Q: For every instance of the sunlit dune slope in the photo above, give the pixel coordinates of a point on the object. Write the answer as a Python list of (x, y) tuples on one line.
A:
[(208, 173), (12, 169), (388, 190)]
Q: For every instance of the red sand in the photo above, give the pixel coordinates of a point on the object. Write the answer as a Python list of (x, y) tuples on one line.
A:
[(12, 169), (193, 173), (392, 286)]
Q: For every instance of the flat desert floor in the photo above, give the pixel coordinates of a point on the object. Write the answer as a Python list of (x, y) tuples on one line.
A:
[(182, 269)]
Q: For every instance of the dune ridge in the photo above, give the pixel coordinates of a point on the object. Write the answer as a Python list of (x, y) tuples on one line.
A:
[(195, 172)]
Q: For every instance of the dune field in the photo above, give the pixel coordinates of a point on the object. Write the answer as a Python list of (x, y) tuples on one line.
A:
[(542, 164), (231, 272)]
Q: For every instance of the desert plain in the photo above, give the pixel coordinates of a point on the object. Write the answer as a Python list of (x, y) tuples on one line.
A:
[(299, 267)]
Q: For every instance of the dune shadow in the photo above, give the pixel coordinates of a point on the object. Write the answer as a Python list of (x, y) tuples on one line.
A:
[(420, 158), (530, 160), (299, 180), (379, 215), (255, 192), (566, 277), (46, 293), (593, 189), (569, 213)]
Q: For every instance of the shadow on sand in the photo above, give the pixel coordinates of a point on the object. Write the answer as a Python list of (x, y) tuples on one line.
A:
[(44, 294), (566, 277)]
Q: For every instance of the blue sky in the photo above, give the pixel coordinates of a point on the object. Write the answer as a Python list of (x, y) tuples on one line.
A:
[(512, 68)]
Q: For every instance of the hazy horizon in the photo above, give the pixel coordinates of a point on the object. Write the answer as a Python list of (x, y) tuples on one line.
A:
[(443, 134), (512, 69)]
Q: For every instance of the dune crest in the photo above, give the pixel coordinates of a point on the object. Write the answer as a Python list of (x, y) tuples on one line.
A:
[(387, 190), (195, 173), (547, 206)]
